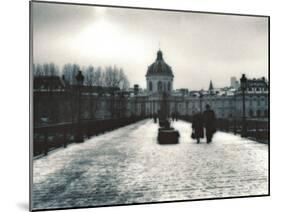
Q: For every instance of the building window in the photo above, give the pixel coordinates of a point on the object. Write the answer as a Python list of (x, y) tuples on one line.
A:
[(226, 103), (159, 86), (258, 113), (169, 86), (262, 101), (251, 114), (150, 86), (254, 101), (265, 113)]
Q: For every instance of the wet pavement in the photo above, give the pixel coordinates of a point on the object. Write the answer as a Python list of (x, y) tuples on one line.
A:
[(128, 166)]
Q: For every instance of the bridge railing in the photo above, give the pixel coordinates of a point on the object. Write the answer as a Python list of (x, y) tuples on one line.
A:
[(49, 137), (257, 129)]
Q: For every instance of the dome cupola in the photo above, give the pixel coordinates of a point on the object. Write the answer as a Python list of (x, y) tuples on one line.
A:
[(159, 67), (159, 76)]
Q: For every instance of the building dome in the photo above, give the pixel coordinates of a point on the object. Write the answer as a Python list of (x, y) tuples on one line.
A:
[(159, 67), (159, 76)]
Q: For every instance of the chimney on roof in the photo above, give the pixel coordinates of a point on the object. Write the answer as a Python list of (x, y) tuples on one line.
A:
[(136, 89)]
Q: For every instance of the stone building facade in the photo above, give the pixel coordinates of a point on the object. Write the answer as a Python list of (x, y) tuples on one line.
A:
[(226, 102), (56, 102)]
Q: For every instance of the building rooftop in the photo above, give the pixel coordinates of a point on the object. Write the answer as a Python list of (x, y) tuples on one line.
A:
[(159, 67)]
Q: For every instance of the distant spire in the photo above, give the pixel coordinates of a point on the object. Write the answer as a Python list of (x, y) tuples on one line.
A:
[(159, 55), (211, 87)]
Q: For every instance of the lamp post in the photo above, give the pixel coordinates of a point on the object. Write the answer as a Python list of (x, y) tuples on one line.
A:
[(163, 119), (136, 92), (80, 79), (235, 113), (243, 85)]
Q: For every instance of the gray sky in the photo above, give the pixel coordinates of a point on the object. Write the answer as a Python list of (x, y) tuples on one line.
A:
[(199, 47)]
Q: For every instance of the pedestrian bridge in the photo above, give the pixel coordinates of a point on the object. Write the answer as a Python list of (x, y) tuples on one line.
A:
[(128, 165)]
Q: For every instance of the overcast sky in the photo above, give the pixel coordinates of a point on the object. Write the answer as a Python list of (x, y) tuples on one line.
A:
[(199, 47)]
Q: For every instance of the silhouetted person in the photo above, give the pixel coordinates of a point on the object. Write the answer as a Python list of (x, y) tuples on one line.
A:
[(197, 126), (176, 115), (173, 116), (155, 117), (209, 122)]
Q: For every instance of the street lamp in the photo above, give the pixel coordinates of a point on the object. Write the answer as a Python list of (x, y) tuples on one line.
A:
[(235, 113), (243, 86), (136, 92), (80, 79)]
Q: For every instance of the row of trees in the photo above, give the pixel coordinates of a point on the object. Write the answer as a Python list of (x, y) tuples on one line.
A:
[(94, 76), (46, 69)]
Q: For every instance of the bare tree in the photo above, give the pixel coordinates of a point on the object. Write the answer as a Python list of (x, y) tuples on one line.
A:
[(38, 70), (70, 71), (124, 84), (115, 77), (53, 69), (47, 69), (89, 78), (66, 71), (98, 77), (108, 77)]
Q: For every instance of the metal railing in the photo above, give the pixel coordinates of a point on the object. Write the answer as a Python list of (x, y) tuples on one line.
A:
[(47, 138), (257, 129)]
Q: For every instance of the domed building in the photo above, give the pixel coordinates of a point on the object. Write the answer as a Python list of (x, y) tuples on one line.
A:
[(159, 79), (159, 76), (226, 102)]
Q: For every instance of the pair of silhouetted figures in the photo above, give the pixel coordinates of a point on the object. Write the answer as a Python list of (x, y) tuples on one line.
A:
[(207, 120), (175, 116)]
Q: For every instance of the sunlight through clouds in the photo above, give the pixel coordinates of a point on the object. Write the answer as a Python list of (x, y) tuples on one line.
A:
[(216, 46), (105, 39)]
